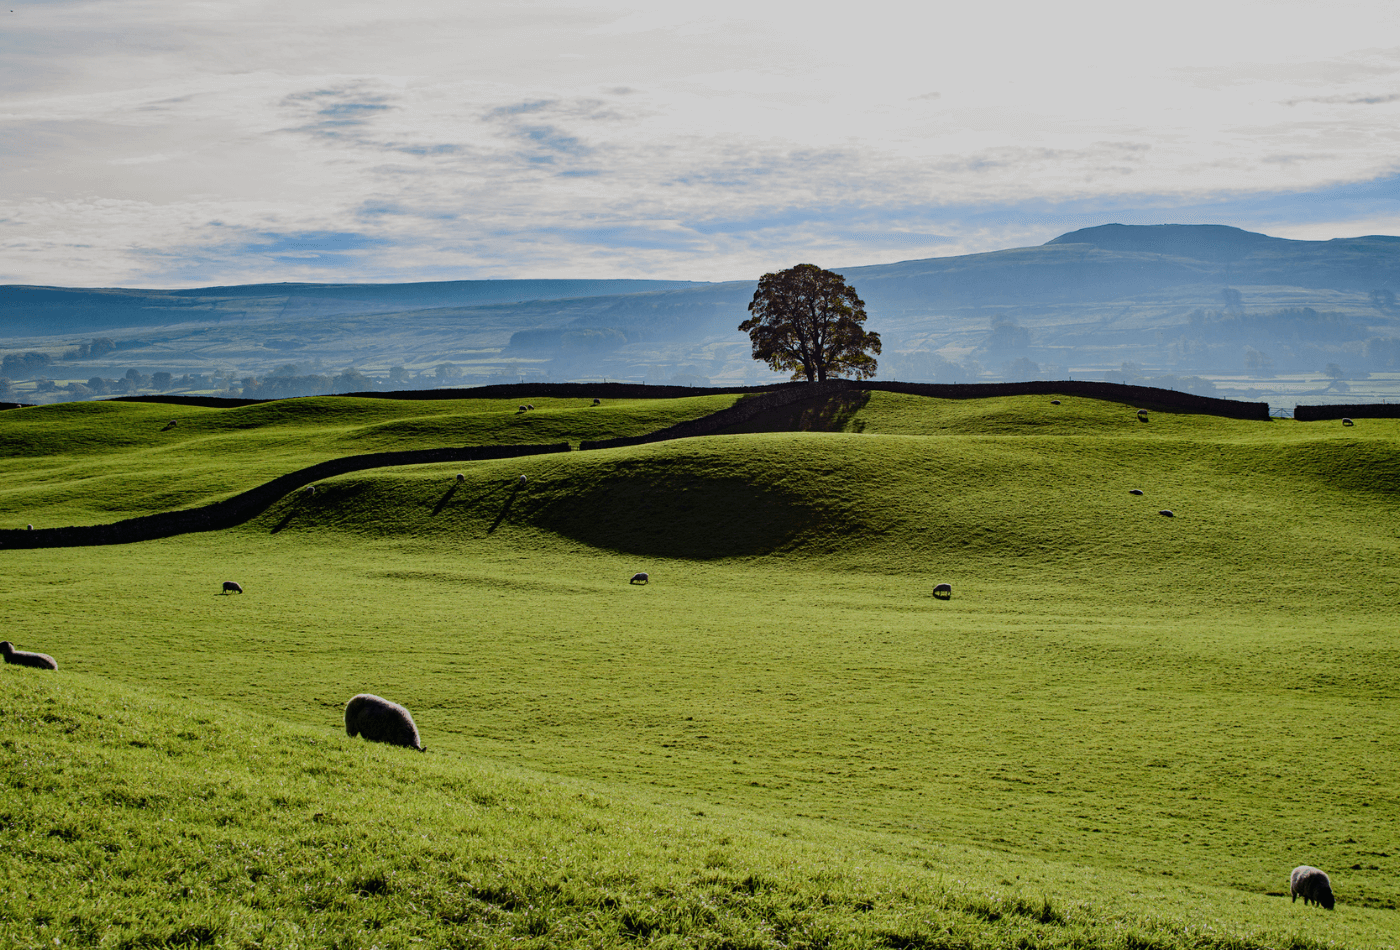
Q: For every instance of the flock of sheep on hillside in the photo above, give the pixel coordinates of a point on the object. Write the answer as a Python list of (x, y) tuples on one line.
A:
[(380, 720)]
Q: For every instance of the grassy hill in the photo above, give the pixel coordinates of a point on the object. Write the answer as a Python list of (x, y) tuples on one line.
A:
[(1123, 730)]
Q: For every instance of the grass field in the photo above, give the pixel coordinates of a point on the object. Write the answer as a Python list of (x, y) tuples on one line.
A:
[(1122, 731)]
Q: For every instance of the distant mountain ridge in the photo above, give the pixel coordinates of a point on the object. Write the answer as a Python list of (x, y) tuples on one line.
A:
[(1169, 300)]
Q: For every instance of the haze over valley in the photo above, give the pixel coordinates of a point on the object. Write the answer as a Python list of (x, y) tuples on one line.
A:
[(1210, 309)]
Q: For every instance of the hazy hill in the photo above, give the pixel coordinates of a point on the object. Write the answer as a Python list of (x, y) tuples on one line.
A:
[(1164, 302)]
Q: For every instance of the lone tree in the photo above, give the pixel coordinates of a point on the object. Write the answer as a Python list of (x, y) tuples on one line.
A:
[(809, 321)]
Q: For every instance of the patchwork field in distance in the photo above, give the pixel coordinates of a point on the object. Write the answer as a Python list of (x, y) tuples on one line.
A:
[(1203, 701)]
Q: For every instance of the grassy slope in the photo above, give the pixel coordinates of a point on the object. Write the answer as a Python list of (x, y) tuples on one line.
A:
[(131, 821), (94, 462), (1205, 700)]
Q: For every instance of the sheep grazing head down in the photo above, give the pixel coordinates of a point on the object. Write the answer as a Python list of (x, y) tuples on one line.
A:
[(379, 720)]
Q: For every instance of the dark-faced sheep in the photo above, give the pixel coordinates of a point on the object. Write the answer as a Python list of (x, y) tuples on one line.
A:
[(170, 425), (310, 490), (29, 527), (379, 720), (641, 577), (529, 405), (943, 591), (40, 661), (461, 478), (1142, 414), (1348, 422), (1054, 402), (520, 408), (1312, 885), (232, 587), (1167, 513), (1134, 491), (522, 480), (597, 402)]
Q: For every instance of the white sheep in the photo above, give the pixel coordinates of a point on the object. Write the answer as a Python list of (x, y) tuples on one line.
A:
[(641, 577), (1314, 886), (40, 661), (379, 720)]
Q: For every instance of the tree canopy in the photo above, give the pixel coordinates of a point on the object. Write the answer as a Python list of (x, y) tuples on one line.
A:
[(810, 321)]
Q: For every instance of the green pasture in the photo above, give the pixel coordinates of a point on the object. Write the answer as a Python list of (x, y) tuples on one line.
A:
[(1140, 722), (94, 462)]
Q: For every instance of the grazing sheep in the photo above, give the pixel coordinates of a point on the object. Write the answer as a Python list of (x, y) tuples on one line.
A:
[(1054, 402), (523, 479), (943, 591), (379, 720), (170, 425), (232, 587), (597, 402), (641, 577), (1142, 414), (1312, 885), (529, 405), (40, 661), (461, 478), (521, 408), (1348, 422), (1134, 491), (1166, 513)]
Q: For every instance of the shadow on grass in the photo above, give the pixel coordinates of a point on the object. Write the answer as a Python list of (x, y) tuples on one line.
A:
[(833, 412)]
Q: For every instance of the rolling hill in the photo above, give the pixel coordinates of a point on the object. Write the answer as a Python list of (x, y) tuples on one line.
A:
[(1169, 302), (1122, 730)]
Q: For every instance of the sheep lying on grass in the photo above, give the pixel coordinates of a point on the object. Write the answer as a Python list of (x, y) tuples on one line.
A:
[(40, 661), (1134, 491), (379, 720), (943, 591), (1167, 513), (232, 587), (1054, 402), (1312, 885), (641, 577)]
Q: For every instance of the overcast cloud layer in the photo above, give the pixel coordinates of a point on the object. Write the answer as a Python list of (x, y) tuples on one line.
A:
[(180, 143)]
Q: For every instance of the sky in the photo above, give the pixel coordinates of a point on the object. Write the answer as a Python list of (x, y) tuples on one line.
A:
[(179, 143)]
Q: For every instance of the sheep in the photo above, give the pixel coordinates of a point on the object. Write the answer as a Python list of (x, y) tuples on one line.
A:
[(943, 591), (529, 405), (232, 587), (522, 480), (29, 527), (1134, 491), (170, 425), (40, 661), (1167, 513), (521, 408), (379, 720), (597, 402), (310, 490), (1054, 402), (1348, 422), (1142, 414), (461, 478), (1312, 885), (641, 577)]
